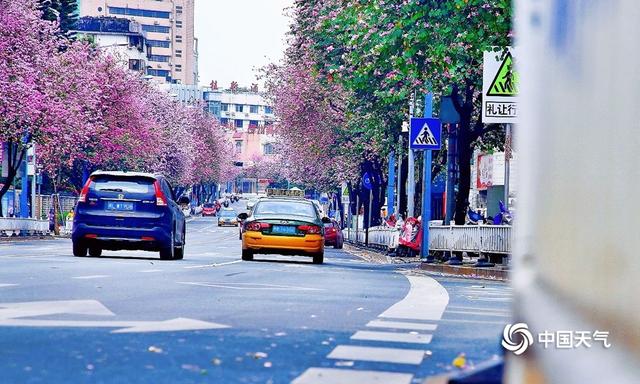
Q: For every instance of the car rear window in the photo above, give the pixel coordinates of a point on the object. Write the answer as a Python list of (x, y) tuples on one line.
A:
[(123, 185), (208, 205), (285, 208), (228, 214)]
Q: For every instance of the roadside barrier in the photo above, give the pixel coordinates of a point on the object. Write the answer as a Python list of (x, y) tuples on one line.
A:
[(478, 239), (16, 227)]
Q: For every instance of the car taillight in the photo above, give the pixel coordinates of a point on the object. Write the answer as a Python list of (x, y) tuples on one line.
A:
[(257, 226), (85, 191), (161, 199), (309, 229)]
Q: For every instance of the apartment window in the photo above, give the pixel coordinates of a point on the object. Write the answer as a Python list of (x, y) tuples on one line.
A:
[(268, 109), (159, 58), (224, 121), (156, 28), (158, 72), (267, 149), (178, 23), (178, 68), (136, 65), (178, 39), (239, 123), (238, 146), (178, 8), (139, 12), (239, 107), (253, 109), (224, 107), (158, 43), (253, 123)]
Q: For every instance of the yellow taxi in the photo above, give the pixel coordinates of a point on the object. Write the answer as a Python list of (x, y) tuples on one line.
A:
[(284, 223)]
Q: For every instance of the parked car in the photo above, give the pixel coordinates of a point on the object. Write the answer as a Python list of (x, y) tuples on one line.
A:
[(129, 210), (333, 234)]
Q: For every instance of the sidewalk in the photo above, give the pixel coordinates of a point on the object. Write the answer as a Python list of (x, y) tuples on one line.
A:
[(467, 270)]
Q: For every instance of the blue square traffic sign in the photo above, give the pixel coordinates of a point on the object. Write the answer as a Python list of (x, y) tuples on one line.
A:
[(425, 133)]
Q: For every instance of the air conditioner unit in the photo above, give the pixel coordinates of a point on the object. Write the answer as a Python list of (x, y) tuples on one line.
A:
[(156, 23), (246, 115), (167, 38)]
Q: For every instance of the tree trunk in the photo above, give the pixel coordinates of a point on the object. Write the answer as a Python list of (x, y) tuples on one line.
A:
[(15, 156), (465, 151)]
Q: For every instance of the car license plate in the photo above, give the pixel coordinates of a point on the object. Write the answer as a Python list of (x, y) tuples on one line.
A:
[(120, 205), (284, 230)]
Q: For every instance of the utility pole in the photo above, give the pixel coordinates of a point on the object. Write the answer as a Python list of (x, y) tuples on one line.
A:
[(391, 183), (426, 187), (507, 168)]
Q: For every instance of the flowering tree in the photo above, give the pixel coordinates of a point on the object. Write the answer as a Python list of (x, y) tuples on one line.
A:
[(381, 52), (79, 105)]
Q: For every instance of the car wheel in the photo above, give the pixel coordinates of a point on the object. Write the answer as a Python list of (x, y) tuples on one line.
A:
[(240, 235), (339, 244), (247, 255), (318, 258), (167, 253), (178, 252), (79, 249), (95, 252)]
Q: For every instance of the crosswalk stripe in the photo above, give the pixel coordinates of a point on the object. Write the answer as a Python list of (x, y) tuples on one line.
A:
[(381, 355), (341, 376), (481, 313), (402, 325), (417, 338)]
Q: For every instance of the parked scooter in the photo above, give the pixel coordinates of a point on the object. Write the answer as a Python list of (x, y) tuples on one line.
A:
[(504, 217)]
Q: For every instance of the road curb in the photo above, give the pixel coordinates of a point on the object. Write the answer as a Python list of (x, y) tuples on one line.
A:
[(377, 256), (468, 272), (10, 239), (462, 271)]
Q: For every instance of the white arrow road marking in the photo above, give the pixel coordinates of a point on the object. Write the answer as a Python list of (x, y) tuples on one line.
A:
[(246, 286), (7, 285), (44, 308), (13, 314)]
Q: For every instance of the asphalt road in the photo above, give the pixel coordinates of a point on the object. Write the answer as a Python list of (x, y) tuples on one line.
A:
[(128, 317)]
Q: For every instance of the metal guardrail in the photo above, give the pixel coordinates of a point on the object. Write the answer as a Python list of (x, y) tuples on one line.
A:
[(16, 226), (466, 238)]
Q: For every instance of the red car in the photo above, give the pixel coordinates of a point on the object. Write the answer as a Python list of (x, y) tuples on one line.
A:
[(209, 209), (333, 234)]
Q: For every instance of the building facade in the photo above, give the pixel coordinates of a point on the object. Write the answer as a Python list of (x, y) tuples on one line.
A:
[(122, 38), (169, 26), (250, 124)]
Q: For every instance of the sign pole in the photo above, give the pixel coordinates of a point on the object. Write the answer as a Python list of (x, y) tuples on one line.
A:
[(33, 185), (357, 215), (426, 188), (411, 178), (507, 158)]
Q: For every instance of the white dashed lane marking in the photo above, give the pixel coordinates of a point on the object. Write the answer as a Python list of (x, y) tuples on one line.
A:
[(7, 285), (381, 355), (401, 325), (342, 376), (415, 338), (90, 277)]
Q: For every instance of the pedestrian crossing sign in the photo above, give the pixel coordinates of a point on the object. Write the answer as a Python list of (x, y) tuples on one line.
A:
[(425, 133)]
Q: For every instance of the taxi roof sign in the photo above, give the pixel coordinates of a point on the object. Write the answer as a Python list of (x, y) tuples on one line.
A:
[(277, 192)]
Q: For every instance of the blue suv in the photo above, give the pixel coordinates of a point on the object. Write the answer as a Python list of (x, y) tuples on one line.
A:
[(128, 210)]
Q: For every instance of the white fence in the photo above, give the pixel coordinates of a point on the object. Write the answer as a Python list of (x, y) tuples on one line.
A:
[(14, 226), (466, 238)]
